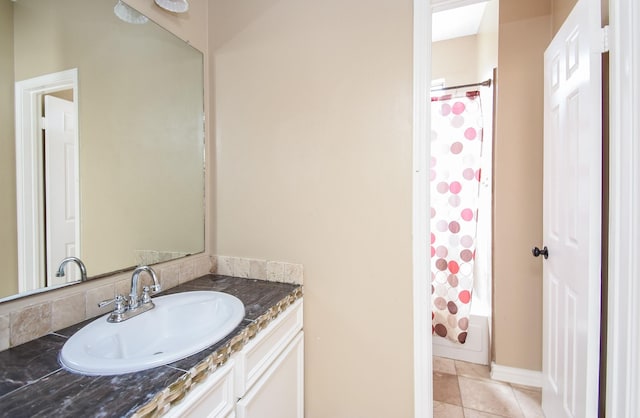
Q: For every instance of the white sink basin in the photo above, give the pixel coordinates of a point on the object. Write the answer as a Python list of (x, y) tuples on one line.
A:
[(180, 325)]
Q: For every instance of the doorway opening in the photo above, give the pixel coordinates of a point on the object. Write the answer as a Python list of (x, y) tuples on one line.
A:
[(464, 51), (47, 165)]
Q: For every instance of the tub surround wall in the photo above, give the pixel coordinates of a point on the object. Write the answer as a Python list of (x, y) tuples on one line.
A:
[(455, 60)]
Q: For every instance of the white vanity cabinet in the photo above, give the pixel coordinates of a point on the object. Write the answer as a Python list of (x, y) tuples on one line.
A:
[(279, 392), (269, 376), (263, 380)]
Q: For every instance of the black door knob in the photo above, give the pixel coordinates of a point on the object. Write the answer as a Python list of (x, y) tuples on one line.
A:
[(537, 251)]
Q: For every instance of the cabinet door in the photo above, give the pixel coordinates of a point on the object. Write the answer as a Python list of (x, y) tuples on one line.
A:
[(257, 356), (279, 392)]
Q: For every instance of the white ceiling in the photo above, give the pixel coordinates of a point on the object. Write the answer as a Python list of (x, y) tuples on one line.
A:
[(457, 22)]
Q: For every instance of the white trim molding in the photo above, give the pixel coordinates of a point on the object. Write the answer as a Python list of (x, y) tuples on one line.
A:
[(623, 339), (441, 5), (422, 349), (515, 375)]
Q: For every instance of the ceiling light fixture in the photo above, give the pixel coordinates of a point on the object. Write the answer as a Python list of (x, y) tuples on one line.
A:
[(176, 6), (127, 14)]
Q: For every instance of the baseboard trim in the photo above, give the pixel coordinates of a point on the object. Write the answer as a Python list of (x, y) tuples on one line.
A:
[(515, 375)]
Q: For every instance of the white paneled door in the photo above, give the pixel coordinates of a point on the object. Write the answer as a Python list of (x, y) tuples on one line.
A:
[(61, 187), (572, 215)]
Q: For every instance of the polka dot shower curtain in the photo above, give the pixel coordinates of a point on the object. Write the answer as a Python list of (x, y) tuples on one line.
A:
[(456, 146)]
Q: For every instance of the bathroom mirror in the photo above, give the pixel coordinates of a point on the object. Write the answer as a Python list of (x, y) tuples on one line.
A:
[(125, 184)]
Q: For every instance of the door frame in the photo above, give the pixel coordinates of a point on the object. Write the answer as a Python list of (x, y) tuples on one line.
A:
[(29, 184), (422, 349), (623, 339)]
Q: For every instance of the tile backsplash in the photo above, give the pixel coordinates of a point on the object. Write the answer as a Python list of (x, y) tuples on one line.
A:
[(28, 318), (275, 271)]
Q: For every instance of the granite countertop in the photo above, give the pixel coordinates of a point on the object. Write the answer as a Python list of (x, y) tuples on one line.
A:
[(33, 384)]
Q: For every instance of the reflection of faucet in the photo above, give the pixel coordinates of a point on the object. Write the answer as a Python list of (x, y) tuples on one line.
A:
[(83, 269), (125, 309)]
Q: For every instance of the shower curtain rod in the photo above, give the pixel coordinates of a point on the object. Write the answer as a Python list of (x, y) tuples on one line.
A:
[(486, 83)]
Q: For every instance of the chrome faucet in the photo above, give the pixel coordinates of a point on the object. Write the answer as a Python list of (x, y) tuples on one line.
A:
[(83, 269), (134, 301), (134, 305)]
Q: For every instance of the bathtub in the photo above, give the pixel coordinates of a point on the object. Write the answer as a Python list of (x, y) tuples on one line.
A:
[(476, 347)]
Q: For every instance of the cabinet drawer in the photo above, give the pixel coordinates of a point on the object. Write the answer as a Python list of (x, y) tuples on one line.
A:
[(212, 398), (260, 353)]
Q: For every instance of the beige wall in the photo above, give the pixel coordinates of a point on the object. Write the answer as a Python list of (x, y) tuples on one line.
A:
[(8, 231), (522, 10), (470, 58), (488, 41), (562, 8), (523, 36), (560, 11), (455, 60), (313, 130), (190, 26)]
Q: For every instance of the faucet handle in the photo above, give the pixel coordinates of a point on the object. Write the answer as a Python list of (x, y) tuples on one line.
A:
[(146, 295), (147, 291), (118, 301)]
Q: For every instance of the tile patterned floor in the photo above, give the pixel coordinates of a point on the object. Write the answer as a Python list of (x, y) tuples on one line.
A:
[(465, 390)]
